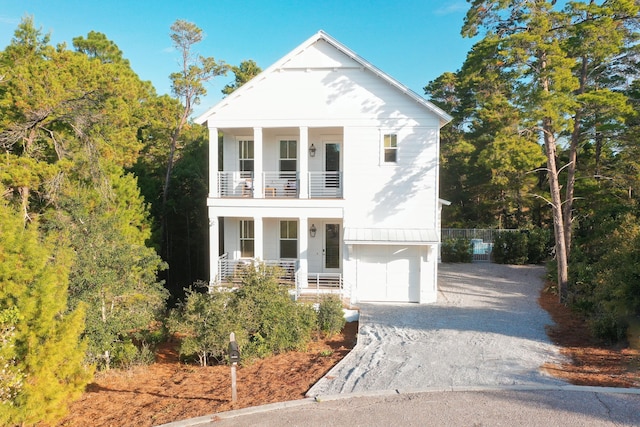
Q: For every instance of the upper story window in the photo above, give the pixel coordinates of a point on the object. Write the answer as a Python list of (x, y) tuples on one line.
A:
[(245, 154), (288, 155), (390, 148), (247, 239), (288, 239)]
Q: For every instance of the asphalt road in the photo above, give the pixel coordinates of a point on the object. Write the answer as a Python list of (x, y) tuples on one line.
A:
[(548, 406)]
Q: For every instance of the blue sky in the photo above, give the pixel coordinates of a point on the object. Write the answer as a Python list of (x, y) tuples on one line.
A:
[(413, 41)]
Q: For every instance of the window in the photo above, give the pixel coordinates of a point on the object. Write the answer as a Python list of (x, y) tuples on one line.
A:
[(288, 158), (245, 151), (288, 239), (246, 239), (390, 148)]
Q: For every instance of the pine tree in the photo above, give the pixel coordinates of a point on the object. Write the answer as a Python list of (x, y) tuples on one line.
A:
[(47, 347)]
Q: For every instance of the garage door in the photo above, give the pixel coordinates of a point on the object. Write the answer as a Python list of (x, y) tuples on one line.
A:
[(388, 273)]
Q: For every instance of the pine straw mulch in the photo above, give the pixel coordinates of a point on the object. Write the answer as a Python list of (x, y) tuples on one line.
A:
[(169, 390), (590, 362)]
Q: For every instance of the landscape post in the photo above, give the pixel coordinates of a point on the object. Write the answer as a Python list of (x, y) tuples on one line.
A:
[(234, 358)]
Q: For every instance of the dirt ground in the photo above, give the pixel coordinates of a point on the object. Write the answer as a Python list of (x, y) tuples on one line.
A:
[(169, 390)]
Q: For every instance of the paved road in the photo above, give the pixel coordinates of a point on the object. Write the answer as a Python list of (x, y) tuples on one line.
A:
[(565, 406), (486, 329)]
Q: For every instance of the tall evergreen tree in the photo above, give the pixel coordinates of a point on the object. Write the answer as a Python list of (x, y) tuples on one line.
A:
[(535, 39), (47, 347)]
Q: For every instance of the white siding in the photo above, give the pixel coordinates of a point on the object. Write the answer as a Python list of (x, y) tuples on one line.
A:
[(337, 97)]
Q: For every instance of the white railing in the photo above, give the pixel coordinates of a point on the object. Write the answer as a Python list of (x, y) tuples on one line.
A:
[(232, 270), (325, 185), (280, 184), (235, 184), (319, 284)]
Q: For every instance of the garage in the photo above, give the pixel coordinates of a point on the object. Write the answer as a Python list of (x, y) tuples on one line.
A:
[(388, 273), (391, 264)]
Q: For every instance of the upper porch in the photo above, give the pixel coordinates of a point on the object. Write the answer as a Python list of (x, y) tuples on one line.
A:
[(283, 162)]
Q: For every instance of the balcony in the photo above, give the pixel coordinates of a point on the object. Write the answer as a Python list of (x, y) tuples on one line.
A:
[(321, 185)]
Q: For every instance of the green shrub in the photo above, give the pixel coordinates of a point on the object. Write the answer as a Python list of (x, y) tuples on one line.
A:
[(608, 327), (539, 244), (457, 250), (330, 315), (260, 312), (204, 325), (272, 320), (510, 248)]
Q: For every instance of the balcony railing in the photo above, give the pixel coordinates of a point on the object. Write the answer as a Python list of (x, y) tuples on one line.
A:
[(235, 184), (325, 185), (321, 185), (280, 184)]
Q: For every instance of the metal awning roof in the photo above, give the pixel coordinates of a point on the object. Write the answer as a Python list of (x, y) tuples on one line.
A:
[(390, 236)]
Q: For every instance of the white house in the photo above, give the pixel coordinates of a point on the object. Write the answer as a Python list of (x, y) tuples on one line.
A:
[(328, 167)]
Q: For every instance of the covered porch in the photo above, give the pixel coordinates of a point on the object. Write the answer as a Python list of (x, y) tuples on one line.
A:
[(308, 252)]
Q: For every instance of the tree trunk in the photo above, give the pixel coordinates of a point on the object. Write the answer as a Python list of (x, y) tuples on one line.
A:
[(556, 199)]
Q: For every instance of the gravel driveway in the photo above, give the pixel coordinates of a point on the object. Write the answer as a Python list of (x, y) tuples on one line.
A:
[(486, 329)]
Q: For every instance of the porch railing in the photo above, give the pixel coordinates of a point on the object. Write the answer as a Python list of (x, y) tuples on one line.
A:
[(325, 184), (232, 270), (280, 184), (320, 284)]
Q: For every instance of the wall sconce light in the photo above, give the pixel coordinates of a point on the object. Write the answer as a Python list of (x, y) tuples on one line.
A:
[(312, 230), (312, 150)]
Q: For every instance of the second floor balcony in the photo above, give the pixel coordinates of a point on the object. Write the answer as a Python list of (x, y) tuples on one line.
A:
[(277, 184)]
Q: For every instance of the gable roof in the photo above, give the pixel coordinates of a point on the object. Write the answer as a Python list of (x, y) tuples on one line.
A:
[(321, 35)]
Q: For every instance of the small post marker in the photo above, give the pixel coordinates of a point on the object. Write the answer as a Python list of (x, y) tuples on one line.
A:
[(234, 358)]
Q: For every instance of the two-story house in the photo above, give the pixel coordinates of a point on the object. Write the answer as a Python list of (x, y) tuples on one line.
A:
[(327, 166)]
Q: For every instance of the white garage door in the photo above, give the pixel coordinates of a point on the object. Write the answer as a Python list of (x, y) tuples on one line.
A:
[(388, 273)]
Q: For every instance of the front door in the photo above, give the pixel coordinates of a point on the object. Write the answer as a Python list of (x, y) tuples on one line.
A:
[(332, 165), (331, 248)]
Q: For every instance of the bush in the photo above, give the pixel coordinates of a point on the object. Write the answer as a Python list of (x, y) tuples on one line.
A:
[(272, 320), (204, 325), (608, 327), (457, 250), (261, 313), (330, 315), (539, 244), (510, 248)]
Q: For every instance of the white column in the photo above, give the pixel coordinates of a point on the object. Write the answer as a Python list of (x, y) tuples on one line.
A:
[(303, 251), (258, 187), (213, 162), (303, 168), (214, 239), (258, 238)]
